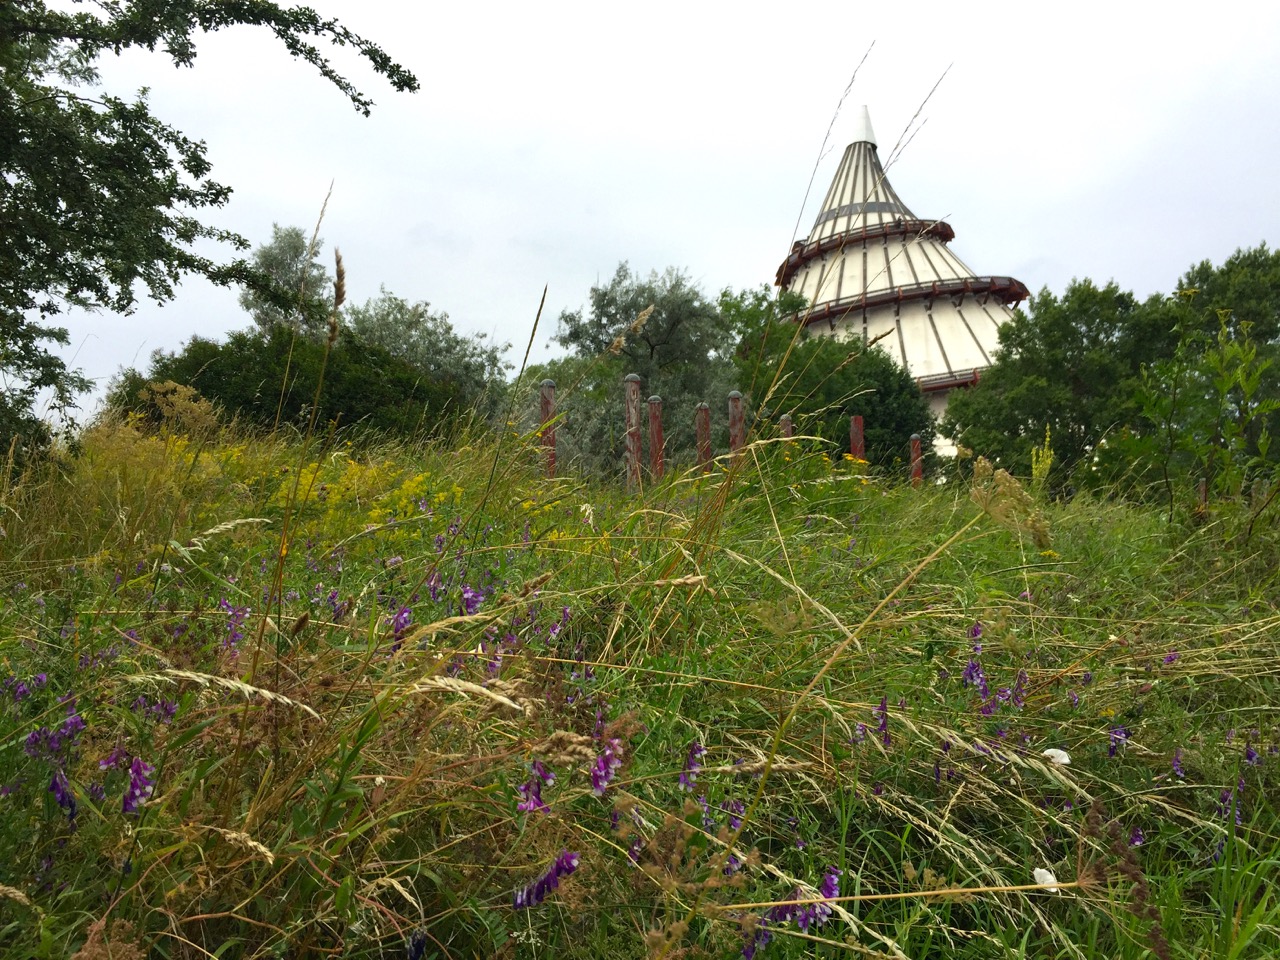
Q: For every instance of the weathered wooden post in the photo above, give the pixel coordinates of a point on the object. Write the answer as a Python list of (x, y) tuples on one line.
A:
[(737, 427), (548, 429), (702, 426), (857, 443), (631, 385), (787, 430), (1202, 494), (917, 461), (656, 446)]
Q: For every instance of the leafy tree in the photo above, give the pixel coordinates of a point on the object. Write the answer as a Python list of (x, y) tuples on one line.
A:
[(681, 350), (1073, 364), (98, 197), (823, 381), (1246, 287), (427, 342), (291, 261), (258, 375)]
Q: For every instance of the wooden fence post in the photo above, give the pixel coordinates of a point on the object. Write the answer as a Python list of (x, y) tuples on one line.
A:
[(787, 430), (737, 427), (548, 428), (857, 443), (702, 425), (631, 386), (917, 461), (656, 446)]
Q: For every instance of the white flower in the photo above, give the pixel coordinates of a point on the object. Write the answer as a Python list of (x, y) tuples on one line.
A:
[(1046, 878), (1060, 757)]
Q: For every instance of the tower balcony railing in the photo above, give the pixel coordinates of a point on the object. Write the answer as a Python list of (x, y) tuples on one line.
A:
[(802, 253), (1005, 289)]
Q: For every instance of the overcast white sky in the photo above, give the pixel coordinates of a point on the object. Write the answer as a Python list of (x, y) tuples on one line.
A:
[(552, 140)]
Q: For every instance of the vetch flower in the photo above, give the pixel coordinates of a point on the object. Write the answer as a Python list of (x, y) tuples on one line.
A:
[(1046, 878), (1117, 736), (140, 785), (606, 767), (1060, 757), (689, 775), (1177, 764), (974, 677), (61, 790), (883, 727), (534, 893)]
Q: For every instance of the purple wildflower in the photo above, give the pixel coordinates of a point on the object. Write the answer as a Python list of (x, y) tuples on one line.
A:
[(110, 761), (689, 775), (606, 767), (974, 677), (1117, 737), (976, 630), (859, 733), (1136, 837), (1019, 694), (1177, 764), (471, 600), (532, 790), (61, 790), (534, 893), (1251, 756), (1171, 656), (1230, 804), (530, 796), (1074, 698), (883, 727), (140, 785), (236, 617), (735, 810)]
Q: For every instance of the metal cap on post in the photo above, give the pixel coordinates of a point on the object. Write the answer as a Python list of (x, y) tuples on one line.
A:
[(737, 426), (787, 430), (656, 445), (702, 426), (917, 461), (857, 443), (548, 425), (631, 409)]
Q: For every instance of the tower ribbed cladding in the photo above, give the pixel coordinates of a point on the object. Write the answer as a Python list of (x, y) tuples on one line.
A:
[(872, 268)]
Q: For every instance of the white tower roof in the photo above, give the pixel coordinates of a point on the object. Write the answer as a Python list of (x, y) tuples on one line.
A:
[(872, 268)]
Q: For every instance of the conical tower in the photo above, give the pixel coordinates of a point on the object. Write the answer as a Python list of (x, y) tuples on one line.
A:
[(871, 268)]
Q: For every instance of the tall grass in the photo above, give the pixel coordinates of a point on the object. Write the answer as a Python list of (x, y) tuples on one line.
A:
[(456, 710)]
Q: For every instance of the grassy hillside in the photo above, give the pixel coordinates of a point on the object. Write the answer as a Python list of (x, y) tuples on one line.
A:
[(263, 698)]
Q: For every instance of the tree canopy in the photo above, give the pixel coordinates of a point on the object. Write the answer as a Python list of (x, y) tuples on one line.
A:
[(823, 381), (680, 348), (99, 198), (688, 350), (1123, 385), (427, 342), (291, 260)]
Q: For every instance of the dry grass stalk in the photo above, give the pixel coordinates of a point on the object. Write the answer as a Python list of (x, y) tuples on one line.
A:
[(465, 687), (245, 842), (206, 679), (13, 893)]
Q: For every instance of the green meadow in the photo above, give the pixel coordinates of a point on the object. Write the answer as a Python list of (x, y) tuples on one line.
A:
[(273, 696)]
